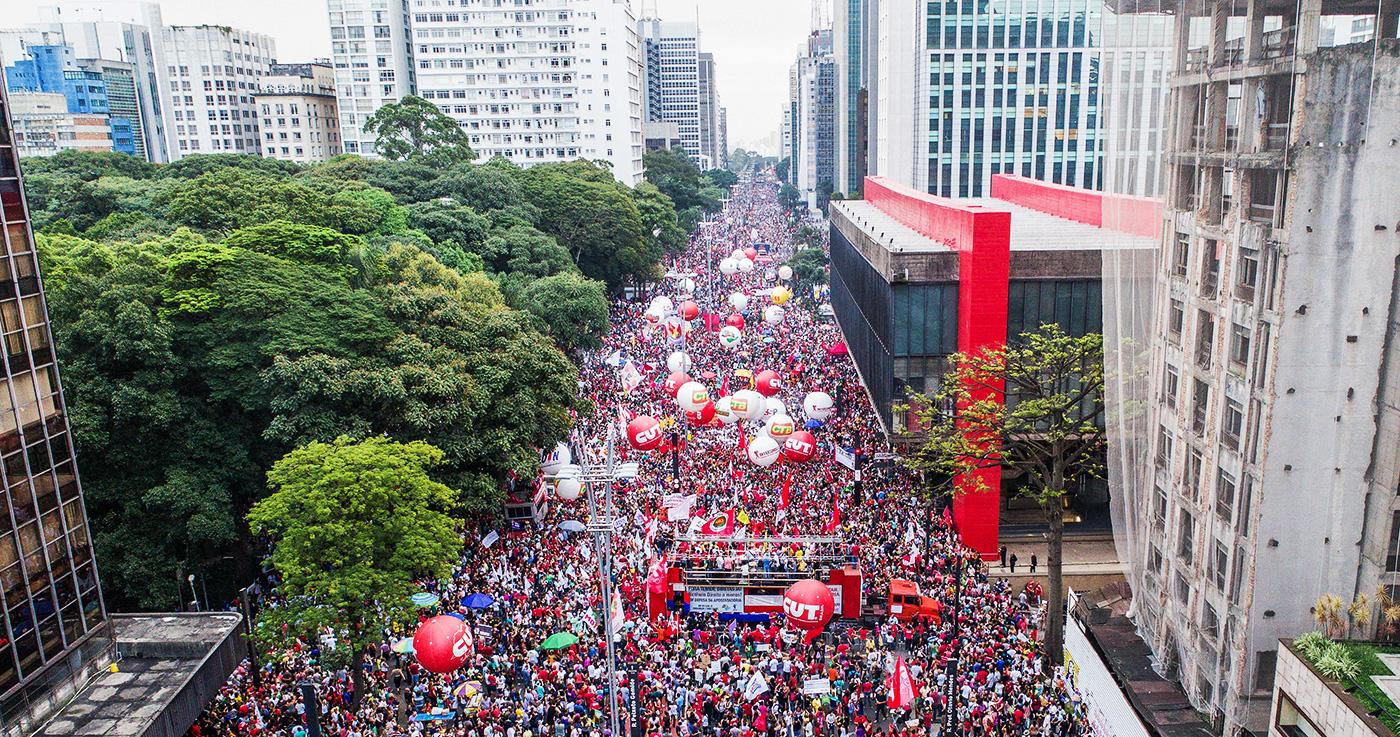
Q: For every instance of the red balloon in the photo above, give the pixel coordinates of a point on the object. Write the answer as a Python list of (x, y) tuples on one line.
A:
[(442, 644), (800, 447), (688, 310), (736, 320), (767, 383), (751, 253), (702, 416), (644, 433), (808, 604), (674, 382)]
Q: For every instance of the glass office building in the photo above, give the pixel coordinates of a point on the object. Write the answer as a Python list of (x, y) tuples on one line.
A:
[(1012, 87), (53, 625)]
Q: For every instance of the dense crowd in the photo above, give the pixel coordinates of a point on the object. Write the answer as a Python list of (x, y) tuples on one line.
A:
[(690, 670)]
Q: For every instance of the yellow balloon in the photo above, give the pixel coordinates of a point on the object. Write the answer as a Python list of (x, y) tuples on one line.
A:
[(780, 295)]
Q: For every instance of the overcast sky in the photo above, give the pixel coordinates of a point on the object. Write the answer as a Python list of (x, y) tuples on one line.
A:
[(754, 42)]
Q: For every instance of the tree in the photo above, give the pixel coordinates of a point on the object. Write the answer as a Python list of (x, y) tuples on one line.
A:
[(574, 308), (415, 130), (595, 219), (1032, 407), (722, 178), (809, 269), (790, 197), (783, 168), (354, 524), (673, 172), (659, 217)]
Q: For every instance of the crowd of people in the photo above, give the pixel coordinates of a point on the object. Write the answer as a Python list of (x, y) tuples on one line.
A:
[(692, 673)]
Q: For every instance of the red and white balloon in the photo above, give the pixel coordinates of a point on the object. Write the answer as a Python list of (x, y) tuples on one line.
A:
[(644, 433), (809, 605), (818, 406), (442, 644), (692, 396), (800, 447), (767, 383), (674, 382), (763, 451)]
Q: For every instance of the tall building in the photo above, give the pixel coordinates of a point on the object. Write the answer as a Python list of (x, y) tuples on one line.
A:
[(43, 126), (723, 139), (710, 147), (299, 118), (813, 87), (123, 103), (54, 69), (116, 34), (56, 633), (216, 70), (568, 85), (673, 80), (1136, 58), (848, 48), (373, 51), (1255, 360)]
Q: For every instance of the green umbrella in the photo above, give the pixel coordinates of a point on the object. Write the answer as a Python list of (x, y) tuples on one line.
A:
[(404, 646), (559, 640)]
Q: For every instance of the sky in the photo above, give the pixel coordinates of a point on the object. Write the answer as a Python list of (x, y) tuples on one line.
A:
[(754, 42)]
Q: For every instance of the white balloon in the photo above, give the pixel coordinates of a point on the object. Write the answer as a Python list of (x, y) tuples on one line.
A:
[(784, 272), (729, 266), (557, 459), (664, 304), (730, 337), (678, 362), (687, 286), (568, 488), (745, 265), (818, 406), (724, 412), (739, 301), (779, 420), (763, 451), (738, 254), (752, 403), (692, 396), (774, 407), (653, 315), (773, 314)]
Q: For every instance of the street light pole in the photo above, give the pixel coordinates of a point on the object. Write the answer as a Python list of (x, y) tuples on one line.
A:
[(950, 686)]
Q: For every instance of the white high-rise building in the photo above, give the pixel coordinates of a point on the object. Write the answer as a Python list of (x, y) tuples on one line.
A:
[(299, 120), (673, 77), (553, 81), (216, 69), (372, 50)]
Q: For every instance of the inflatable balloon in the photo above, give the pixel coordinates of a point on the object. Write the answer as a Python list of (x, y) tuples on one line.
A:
[(644, 433), (745, 265), (779, 427), (664, 304), (800, 447), (747, 404), (763, 451), (686, 286), (653, 316), (818, 406), (773, 407), (780, 295), (737, 254), (442, 644), (750, 253), (808, 605), (557, 459), (739, 301), (678, 362), (692, 396), (730, 337), (568, 488), (688, 310), (674, 382), (784, 272), (767, 383), (729, 267), (735, 320), (724, 412), (703, 415), (773, 314)]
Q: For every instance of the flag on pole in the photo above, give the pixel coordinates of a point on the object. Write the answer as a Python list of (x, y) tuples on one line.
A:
[(724, 388), (756, 686), (656, 580), (901, 686), (787, 489), (719, 524), (835, 520)]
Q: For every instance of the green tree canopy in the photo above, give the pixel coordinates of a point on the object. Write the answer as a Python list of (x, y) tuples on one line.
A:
[(415, 130), (354, 524), (674, 173), (574, 308)]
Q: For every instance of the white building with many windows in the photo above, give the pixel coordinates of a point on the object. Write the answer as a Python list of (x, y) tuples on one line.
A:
[(672, 51), (213, 74), (544, 81), (372, 50), (299, 119)]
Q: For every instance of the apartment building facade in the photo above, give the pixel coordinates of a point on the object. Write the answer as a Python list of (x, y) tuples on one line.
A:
[(297, 106), (373, 53)]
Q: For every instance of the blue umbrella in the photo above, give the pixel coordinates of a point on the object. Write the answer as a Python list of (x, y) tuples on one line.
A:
[(812, 424), (478, 601), (424, 599), (458, 615)]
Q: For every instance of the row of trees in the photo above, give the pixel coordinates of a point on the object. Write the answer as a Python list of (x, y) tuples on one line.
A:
[(215, 314)]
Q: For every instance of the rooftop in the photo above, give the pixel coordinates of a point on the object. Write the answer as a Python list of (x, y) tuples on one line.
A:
[(171, 664)]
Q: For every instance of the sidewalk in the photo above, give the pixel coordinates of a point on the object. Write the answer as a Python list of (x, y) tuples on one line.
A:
[(1088, 564)]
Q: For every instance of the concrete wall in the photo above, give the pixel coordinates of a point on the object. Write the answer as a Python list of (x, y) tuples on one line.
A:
[(1332, 710)]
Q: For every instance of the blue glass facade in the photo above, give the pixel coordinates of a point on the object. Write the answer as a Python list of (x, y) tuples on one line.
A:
[(52, 69)]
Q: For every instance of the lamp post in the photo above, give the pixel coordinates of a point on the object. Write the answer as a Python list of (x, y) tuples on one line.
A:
[(600, 524), (950, 686)]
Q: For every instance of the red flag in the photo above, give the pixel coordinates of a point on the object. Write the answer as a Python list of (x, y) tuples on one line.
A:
[(835, 520), (901, 686), (787, 489), (743, 441), (720, 524), (656, 580)]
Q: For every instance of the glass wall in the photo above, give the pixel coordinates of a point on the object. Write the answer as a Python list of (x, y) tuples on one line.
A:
[(51, 595)]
